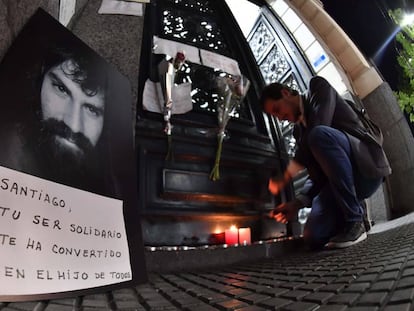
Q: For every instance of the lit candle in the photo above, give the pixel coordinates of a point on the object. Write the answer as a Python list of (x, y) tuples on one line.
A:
[(217, 238), (244, 236), (231, 235)]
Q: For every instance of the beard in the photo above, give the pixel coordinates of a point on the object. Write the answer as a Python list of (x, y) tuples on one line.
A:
[(68, 157)]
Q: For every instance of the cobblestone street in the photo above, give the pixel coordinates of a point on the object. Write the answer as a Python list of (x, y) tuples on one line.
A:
[(377, 274)]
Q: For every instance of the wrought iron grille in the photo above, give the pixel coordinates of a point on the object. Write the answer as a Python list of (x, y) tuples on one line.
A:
[(195, 23), (193, 28), (286, 126), (292, 82), (276, 65), (261, 40), (197, 5), (205, 93)]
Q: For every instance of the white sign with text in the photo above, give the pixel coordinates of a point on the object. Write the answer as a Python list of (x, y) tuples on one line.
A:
[(153, 99), (55, 238)]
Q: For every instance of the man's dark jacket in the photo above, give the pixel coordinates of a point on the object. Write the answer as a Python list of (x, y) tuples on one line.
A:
[(324, 106)]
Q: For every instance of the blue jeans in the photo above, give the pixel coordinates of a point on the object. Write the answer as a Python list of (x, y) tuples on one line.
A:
[(339, 200)]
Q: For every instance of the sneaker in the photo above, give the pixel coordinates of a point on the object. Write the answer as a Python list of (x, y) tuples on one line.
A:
[(354, 233), (368, 223)]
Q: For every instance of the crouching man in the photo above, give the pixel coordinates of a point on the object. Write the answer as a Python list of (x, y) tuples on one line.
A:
[(344, 159)]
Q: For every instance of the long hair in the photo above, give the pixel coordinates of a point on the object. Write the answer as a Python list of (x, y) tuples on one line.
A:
[(90, 71)]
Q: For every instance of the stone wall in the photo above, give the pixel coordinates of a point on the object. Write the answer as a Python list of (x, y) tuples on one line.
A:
[(117, 38), (15, 13), (382, 107)]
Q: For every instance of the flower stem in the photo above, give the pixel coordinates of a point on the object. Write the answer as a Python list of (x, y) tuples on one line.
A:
[(215, 173), (170, 154)]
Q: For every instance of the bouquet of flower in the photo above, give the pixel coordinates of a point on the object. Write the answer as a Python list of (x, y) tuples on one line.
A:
[(167, 77), (232, 89)]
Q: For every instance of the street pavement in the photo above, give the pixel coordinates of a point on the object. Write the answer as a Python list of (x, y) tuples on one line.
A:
[(377, 274)]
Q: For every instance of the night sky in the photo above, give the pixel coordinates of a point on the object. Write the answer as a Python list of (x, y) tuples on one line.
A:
[(367, 23)]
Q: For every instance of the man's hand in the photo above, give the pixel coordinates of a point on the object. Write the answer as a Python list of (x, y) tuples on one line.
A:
[(276, 185), (286, 211)]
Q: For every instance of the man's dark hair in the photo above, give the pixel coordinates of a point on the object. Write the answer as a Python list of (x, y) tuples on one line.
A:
[(274, 91), (90, 71), (22, 71)]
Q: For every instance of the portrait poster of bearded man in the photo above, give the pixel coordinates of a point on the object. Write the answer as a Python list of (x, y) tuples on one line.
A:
[(58, 107), (66, 118)]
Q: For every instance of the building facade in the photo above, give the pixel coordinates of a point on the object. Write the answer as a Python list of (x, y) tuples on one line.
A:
[(287, 41)]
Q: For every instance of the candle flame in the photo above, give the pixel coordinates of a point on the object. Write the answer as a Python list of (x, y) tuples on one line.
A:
[(233, 228)]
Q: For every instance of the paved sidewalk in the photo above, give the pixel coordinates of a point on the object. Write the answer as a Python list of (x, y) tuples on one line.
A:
[(377, 274)]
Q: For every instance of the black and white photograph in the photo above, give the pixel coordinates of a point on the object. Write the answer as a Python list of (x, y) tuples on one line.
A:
[(58, 98), (67, 165)]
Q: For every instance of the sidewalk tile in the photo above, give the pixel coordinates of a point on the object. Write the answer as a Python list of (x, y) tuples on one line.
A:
[(211, 297), (408, 272), (301, 306), (393, 267), (363, 309), (295, 294), (239, 292), (392, 275), (333, 308), (275, 292), (367, 277), (320, 297), (250, 308), (344, 298), (254, 298), (201, 307), (401, 307), (335, 288), (274, 303), (357, 287), (402, 295), (376, 298), (312, 287), (292, 285), (382, 286), (406, 282), (231, 304)]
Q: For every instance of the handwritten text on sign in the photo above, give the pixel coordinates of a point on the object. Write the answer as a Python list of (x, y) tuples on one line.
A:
[(55, 238)]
